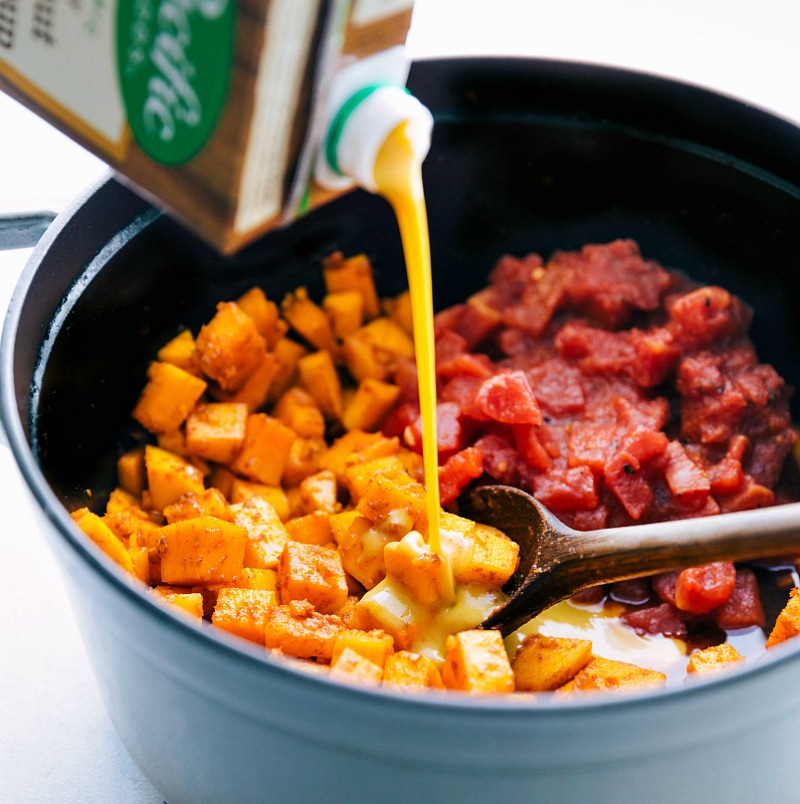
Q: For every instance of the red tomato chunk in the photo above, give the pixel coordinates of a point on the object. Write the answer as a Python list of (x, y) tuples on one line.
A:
[(615, 391)]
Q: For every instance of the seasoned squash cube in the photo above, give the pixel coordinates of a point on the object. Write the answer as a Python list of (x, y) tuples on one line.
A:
[(297, 629), (298, 410), (493, 559), (181, 352), (303, 460), (210, 502), (216, 431), (351, 666), (320, 378), (357, 477), (422, 573), (242, 490), (375, 645), (266, 533), (230, 347), (288, 352), (477, 663), (169, 477), (105, 538), (190, 602), (544, 663), (411, 671), (243, 611), (395, 504), (254, 578), (399, 310), (787, 624), (713, 659), (353, 273), (313, 573), (313, 528), (354, 448), (168, 397), (131, 474), (265, 315), (362, 550), (264, 450), (255, 390), (202, 550), (370, 405), (374, 349), (309, 320), (345, 310), (318, 492), (612, 675)]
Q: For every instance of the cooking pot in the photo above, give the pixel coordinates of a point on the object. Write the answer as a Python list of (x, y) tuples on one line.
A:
[(527, 155)]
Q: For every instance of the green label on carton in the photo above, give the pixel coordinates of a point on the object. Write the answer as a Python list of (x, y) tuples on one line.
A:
[(174, 62)]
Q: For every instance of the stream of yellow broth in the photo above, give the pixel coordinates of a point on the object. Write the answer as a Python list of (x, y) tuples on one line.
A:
[(398, 176)]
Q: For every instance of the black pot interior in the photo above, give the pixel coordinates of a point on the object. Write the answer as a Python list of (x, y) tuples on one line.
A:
[(527, 156)]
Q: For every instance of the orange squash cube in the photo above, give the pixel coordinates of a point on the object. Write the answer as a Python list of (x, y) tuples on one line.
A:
[(303, 460), (298, 410), (255, 390), (243, 612), (372, 402), (375, 349), (353, 273), (181, 352), (422, 573), (351, 666), (266, 533), (297, 629), (543, 663), (190, 602), (210, 502), (375, 645), (396, 505), (713, 659), (230, 347), (309, 320), (288, 352), (320, 378), (356, 447), (264, 450), (202, 550), (243, 490), (105, 538), (313, 573), (313, 528), (345, 309), (169, 396), (265, 315), (215, 431), (169, 477), (131, 474), (787, 625), (612, 675), (411, 671), (477, 663)]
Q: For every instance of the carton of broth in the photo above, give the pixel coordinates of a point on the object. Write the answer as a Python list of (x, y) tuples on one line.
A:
[(212, 108)]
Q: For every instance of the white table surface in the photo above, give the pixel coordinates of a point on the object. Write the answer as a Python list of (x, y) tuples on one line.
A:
[(56, 741)]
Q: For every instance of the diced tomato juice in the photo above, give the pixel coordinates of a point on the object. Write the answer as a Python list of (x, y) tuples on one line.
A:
[(615, 391)]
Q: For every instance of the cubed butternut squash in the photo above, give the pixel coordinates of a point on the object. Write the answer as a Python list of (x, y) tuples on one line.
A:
[(320, 378), (266, 533), (265, 315), (299, 411), (351, 666), (411, 671), (370, 405), (297, 629), (345, 310), (182, 352), (544, 663), (314, 573), (230, 347), (713, 659), (243, 611), (375, 645), (169, 477), (265, 449), (190, 602), (202, 550), (216, 431), (353, 273), (424, 574), (313, 528), (309, 320), (612, 675), (169, 396), (787, 624), (210, 502), (105, 538), (476, 662)]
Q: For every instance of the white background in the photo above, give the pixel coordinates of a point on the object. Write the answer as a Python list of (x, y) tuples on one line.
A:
[(56, 742)]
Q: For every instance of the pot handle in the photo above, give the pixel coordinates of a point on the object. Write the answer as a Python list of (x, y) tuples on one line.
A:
[(23, 230)]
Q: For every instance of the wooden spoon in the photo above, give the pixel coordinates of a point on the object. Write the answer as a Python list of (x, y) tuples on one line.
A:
[(556, 561)]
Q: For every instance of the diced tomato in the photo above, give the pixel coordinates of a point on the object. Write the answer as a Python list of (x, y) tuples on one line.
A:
[(687, 481), (590, 444), (567, 489), (507, 397), (749, 495), (481, 316), (662, 619), (657, 355), (530, 446), (664, 586), (449, 344), (458, 471), (501, 461), (400, 418), (468, 364), (699, 590), (743, 609), (448, 430), (625, 479), (708, 314)]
